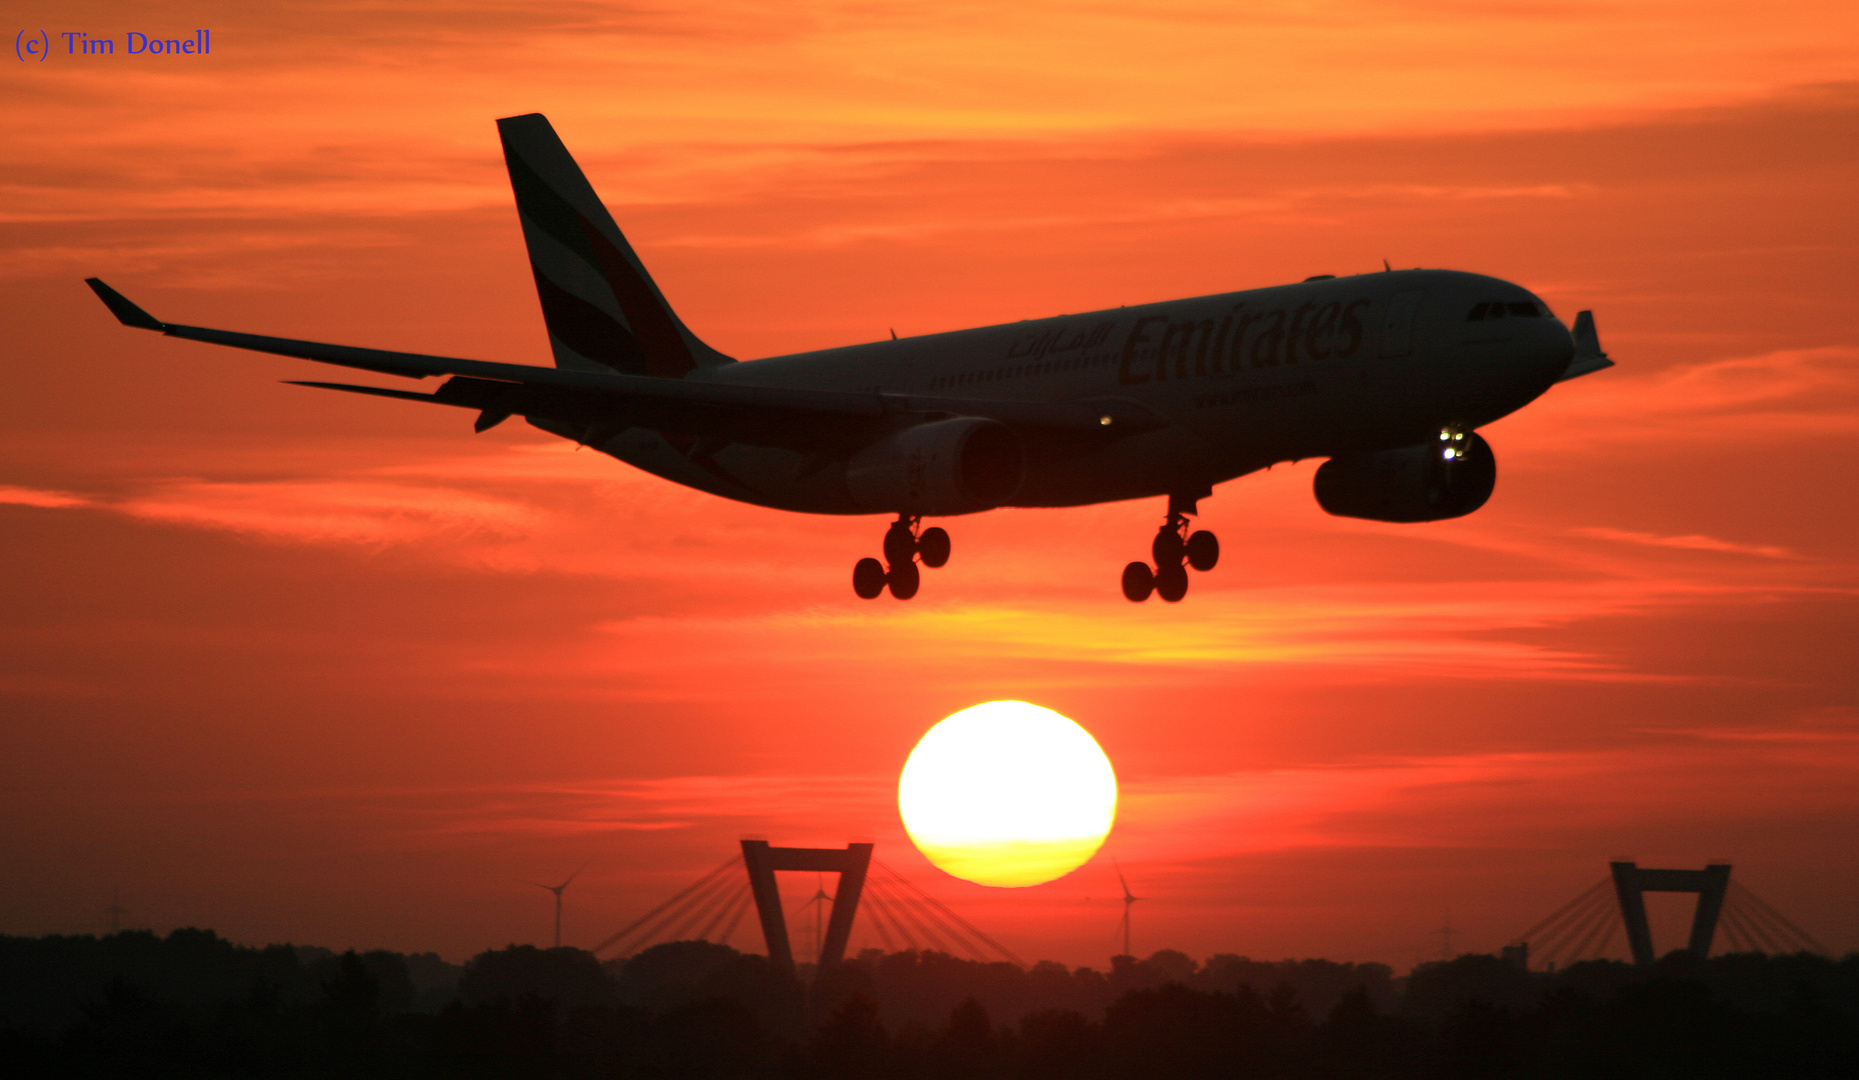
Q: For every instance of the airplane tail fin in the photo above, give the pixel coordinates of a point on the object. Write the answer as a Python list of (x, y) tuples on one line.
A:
[(603, 311)]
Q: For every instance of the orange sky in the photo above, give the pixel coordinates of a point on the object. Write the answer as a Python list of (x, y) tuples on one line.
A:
[(303, 667)]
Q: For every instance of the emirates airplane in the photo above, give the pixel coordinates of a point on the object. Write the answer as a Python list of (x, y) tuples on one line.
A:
[(1388, 375)]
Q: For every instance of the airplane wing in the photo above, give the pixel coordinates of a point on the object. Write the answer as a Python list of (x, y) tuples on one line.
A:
[(607, 403)]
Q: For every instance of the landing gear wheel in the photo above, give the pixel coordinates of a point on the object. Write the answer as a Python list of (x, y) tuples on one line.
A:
[(904, 549), (1138, 582), (868, 579), (933, 547), (1203, 550), (1175, 548), (1171, 582), (903, 579), (1167, 547), (900, 546)]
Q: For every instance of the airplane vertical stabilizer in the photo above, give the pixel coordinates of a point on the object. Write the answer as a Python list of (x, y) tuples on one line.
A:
[(603, 311)]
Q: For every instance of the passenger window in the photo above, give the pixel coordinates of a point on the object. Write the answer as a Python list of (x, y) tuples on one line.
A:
[(1477, 313), (1525, 309)]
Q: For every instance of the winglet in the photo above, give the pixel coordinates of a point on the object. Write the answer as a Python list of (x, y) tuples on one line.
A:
[(120, 306), (1588, 355)]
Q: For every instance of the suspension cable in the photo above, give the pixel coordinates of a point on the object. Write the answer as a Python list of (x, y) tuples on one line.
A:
[(945, 912), (1800, 936), (1561, 911), (657, 911)]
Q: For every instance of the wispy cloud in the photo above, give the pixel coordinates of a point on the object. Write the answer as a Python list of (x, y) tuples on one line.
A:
[(332, 511), (1693, 542), (22, 496), (1796, 393)]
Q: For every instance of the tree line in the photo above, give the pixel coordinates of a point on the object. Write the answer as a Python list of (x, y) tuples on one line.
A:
[(193, 1004)]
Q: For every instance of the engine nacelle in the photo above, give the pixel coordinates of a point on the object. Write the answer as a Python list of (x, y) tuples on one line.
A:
[(957, 466), (1447, 478)]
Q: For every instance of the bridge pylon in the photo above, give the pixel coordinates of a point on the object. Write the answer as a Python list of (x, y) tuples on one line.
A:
[(763, 861), (1631, 883)]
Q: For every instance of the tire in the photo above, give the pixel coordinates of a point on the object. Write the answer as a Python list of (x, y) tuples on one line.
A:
[(1171, 582), (1203, 550), (933, 547), (1167, 548), (1138, 582), (904, 579), (899, 546), (868, 579)]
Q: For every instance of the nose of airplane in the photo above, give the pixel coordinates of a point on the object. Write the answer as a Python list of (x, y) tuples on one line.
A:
[(1507, 362)]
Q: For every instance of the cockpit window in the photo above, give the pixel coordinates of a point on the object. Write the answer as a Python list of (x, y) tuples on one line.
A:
[(1497, 309)]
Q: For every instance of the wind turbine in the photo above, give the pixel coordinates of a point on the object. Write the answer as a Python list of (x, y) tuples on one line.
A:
[(1445, 935), (116, 911), (558, 890), (818, 902), (1128, 899)]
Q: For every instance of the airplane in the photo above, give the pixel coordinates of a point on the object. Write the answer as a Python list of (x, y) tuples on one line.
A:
[(1387, 374)]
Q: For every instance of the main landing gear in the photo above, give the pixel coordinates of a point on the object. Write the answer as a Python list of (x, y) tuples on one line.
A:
[(1173, 546), (904, 547)]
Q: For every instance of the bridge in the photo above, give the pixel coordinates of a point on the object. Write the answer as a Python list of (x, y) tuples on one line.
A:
[(713, 908), (1585, 927)]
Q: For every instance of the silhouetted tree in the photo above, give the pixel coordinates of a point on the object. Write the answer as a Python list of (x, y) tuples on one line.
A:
[(852, 1043), (969, 1046), (1060, 1042), (194, 1005), (567, 976), (1440, 988), (715, 1038)]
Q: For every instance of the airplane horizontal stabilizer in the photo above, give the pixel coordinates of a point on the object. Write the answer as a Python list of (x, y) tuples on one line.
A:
[(1588, 357), (375, 391)]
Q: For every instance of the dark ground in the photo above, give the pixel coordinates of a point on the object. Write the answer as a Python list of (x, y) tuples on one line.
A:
[(194, 1005)]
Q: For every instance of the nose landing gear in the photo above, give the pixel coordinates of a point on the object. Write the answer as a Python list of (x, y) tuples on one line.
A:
[(904, 547), (1173, 547)]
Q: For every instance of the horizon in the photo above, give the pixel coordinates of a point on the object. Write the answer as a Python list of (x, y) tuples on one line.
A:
[(1669, 916)]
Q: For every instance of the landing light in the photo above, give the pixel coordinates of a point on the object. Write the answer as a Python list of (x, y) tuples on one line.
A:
[(1104, 421)]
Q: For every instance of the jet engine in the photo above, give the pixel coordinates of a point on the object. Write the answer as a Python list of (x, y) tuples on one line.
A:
[(944, 467), (1446, 478)]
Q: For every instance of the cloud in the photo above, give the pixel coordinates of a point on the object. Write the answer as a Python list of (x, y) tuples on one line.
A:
[(1694, 542), (589, 808), (1788, 393), (22, 496), (1523, 802), (1788, 381), (332, 511)]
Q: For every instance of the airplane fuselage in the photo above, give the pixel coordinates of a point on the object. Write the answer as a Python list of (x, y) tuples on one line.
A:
[(1237, 382)]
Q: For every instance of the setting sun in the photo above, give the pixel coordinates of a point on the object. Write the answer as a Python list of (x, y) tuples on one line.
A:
[(1007, 794)]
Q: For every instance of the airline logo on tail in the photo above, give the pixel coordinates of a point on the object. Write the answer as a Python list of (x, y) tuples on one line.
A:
[(602, 309)]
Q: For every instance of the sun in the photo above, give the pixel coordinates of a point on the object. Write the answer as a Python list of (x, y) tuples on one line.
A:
[(1007, 794)]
